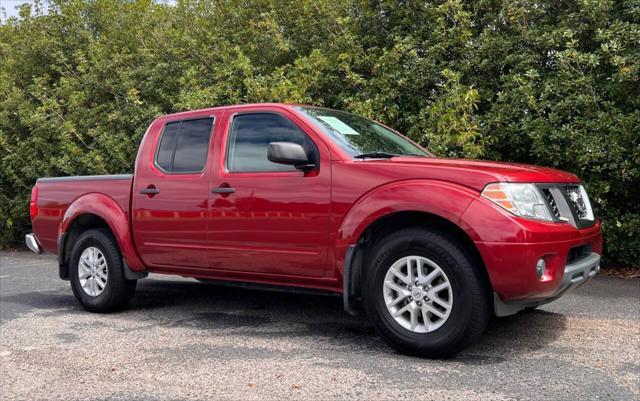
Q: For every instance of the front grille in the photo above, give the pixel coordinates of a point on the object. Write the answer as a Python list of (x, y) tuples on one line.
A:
[(566, 203), (552, 203)]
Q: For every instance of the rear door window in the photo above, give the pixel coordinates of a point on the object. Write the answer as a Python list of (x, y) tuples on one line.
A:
[(164, 157), (184, 146)]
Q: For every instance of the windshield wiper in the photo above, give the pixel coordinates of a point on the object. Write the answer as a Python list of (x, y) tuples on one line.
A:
[(375, 155), (413, 155)]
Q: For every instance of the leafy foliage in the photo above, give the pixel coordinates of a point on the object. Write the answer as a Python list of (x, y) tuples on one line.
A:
[(549, 82)]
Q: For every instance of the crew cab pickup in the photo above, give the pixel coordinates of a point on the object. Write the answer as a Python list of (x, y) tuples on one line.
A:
[(300, 197)]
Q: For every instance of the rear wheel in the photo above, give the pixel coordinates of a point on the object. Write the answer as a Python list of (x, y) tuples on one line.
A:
[(96, 273), (424, 293)]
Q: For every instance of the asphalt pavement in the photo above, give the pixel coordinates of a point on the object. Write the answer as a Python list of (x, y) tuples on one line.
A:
[(181, 339)]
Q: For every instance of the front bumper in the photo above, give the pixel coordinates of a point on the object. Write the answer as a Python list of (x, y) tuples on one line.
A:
[(511, 248), (32, 243), (575, 274)]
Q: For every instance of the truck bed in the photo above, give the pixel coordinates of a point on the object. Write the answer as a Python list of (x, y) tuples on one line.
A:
[(55, 194)]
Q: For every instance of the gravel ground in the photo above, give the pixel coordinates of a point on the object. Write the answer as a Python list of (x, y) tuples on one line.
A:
[(181, 339)]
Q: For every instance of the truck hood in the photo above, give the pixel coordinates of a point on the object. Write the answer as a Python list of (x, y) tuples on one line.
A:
[(476, 173)]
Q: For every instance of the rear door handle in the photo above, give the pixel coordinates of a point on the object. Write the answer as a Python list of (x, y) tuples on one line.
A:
[(223, 190), (150, 191)]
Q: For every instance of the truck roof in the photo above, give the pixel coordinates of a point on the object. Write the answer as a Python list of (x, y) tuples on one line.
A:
[(234, 106)]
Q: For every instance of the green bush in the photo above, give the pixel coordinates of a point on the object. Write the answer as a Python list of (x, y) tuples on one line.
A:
[(549, 82)]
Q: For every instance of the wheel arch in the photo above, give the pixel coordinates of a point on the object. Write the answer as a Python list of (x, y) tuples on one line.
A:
[(392, 208), (95, 210)]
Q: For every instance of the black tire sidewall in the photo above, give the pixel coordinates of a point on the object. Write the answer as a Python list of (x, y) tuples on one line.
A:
[(115, 278), (455, 265)]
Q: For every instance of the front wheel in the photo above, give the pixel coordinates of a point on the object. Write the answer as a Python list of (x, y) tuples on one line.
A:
[(96, 273), (424, 293)]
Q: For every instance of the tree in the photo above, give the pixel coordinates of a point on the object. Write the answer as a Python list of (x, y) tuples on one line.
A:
[(547, 82)]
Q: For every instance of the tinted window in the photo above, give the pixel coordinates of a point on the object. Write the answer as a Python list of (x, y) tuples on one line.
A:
[(251, 135), (184, 146), (193, 146), (168, 146)]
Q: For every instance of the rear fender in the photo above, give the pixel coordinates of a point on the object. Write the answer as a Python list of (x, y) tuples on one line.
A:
[(117, 219)]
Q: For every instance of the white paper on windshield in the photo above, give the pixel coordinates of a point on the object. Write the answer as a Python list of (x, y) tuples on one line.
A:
[(338, 125)]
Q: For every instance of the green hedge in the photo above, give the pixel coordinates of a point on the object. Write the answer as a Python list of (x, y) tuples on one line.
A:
[(549, 82)]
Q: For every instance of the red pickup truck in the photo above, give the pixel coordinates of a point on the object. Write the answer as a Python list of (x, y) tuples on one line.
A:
[(298, 197)]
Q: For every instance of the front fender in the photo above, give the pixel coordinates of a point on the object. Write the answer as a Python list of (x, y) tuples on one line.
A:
[(107, 209), (440, 198)]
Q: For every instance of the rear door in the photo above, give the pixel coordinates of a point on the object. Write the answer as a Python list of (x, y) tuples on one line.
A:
[(267, 217), (171, 194)]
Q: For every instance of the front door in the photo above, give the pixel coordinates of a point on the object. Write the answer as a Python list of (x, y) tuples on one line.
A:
[(171, 195), (268, 217)]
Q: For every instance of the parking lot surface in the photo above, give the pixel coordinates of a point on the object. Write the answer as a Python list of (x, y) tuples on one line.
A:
[(181, 339)]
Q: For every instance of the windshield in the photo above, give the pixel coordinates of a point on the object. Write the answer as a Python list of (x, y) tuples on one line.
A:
[(359, 136)]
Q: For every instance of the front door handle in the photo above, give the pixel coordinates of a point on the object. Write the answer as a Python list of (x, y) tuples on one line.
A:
[(223, 190)]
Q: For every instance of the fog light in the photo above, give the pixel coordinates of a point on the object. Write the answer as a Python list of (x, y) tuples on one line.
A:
[(541, 268)]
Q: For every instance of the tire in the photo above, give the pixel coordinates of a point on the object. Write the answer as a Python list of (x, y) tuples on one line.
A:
[(466, 295), (117, 290)]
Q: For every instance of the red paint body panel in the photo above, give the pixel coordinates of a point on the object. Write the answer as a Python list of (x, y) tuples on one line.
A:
[(293, 228), (275, 222), (60, 202), (511, 246), (170, 227)]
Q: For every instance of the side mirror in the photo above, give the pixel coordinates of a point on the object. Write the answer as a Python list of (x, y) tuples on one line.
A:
[(290, 154)]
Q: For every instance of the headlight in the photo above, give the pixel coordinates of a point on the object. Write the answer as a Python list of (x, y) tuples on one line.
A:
[(524, 200)]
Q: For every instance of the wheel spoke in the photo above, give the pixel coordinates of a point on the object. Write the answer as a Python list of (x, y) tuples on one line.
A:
[(420, 268), (400, 276), (396, 301), (396, 287), (441, 302), (425, 318), (401, 294), (102, 274), (433, 310), (85, 271), (87, 285), (431, 276), (440, 287), (410, 277), (414, 318), (402, 310), (84, 260)]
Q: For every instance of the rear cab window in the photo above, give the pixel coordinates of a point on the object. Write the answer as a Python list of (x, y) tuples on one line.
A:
[(184, 146)]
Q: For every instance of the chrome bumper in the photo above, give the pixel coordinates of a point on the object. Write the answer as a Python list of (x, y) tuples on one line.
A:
[(575, 274), (32, 243)]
